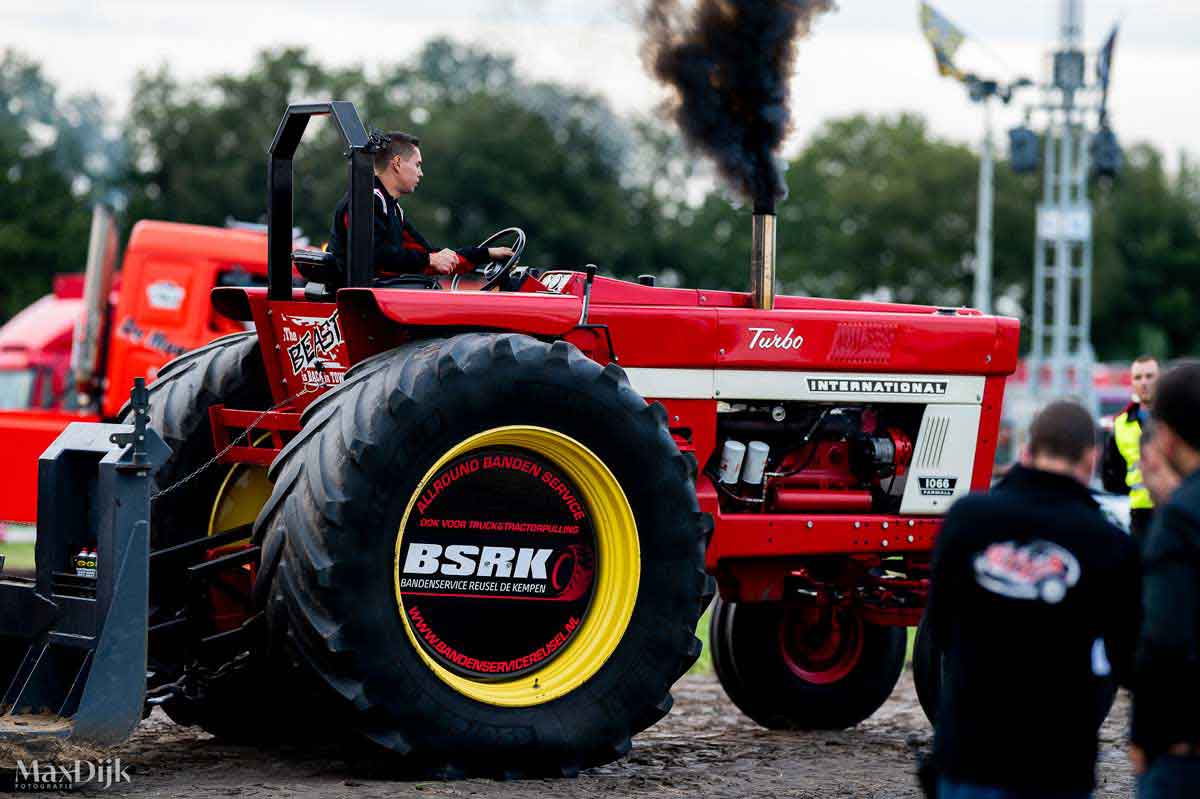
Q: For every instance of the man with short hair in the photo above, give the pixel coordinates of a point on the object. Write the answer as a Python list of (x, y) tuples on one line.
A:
[(398, 248), (1166, 707), (1121, 471), (1034, 608)]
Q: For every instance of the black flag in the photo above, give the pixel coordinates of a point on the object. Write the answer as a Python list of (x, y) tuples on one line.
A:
[(1104, 68)]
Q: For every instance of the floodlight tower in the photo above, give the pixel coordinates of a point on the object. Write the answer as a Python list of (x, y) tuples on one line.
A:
[(1062, 269)]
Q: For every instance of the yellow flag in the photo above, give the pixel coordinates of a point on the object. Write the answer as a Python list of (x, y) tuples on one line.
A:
[(945, 39)]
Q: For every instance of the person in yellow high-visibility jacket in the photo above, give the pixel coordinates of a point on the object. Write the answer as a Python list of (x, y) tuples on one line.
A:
[(1122, 471)]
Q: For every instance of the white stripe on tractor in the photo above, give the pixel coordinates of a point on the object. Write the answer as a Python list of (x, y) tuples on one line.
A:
[(770, 384)]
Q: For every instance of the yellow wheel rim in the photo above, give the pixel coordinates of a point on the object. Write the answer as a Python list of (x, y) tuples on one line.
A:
[(617, 577), (241, 496)]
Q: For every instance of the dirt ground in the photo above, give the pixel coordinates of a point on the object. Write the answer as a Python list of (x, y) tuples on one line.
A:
[(704, 748)]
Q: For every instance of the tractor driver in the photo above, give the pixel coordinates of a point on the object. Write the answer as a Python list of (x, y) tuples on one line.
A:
[(399, 248)]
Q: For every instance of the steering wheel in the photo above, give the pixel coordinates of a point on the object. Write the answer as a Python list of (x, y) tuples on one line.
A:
[(495, 271)]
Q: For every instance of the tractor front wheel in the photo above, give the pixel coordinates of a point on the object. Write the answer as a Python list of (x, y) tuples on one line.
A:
[(927, 671), (796, 668)]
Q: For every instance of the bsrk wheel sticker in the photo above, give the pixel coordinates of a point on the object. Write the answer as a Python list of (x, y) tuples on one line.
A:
[(497, 563)]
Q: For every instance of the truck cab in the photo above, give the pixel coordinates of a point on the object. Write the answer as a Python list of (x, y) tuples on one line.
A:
[(35, 348), (163, 309)]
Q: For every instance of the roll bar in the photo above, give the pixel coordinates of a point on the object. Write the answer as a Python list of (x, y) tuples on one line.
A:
[(279, 193)]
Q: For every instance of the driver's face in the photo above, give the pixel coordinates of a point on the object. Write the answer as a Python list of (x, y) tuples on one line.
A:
[(408, 171)]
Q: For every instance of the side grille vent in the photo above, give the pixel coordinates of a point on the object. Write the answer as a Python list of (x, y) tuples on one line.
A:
[(933, 441)]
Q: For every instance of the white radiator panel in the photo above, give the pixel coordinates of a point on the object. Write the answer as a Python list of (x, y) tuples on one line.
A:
[(943, 459)]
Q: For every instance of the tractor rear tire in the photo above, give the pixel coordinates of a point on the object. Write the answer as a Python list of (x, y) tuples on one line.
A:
[(229, 371), (763, 674), (428, 672)]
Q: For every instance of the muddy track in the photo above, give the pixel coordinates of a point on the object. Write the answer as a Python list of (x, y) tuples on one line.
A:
[(703, 748)]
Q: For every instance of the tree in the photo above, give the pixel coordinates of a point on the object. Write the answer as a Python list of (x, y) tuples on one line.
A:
[(876, 207), (1147, 296), (199, 150), (50, 168), (880, 208), (497, 151)]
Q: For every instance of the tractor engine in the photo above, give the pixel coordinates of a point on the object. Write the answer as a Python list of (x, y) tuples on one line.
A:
[(796, 457)]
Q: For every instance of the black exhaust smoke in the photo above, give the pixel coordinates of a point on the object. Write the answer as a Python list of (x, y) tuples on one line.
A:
[(730, 65)]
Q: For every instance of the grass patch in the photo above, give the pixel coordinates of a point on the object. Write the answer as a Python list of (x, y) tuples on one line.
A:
[(703, 664), (18, 557)]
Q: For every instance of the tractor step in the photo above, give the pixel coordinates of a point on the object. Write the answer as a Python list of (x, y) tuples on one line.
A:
[(73, 645)]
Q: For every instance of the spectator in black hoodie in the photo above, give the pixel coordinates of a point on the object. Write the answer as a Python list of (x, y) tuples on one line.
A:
[(1034, 607), (1166, 707)]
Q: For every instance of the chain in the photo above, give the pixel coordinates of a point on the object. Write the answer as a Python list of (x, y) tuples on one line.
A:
[(196, 678), (185, 480)]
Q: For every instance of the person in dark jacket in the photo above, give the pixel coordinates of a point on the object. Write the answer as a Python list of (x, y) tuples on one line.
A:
[(1034, 605), (398, 248), (1120, 470), (1166, 708), (1160, 477)]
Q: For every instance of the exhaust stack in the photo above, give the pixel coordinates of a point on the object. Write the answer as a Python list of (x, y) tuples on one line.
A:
[(728, 64), (87, 346), (762, 259)]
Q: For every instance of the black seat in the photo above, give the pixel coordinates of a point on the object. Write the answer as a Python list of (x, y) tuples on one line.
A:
[(324, 276), (317, 266), (322, 272)]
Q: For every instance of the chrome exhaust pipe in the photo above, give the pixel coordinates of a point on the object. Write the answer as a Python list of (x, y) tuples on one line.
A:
[(762, 260), (87, 348)]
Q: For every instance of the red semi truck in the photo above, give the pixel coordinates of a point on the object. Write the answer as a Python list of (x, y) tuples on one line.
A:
[(59, 356)]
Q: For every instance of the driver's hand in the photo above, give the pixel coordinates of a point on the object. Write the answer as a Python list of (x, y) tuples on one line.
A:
[(443, 262), (496, 253)]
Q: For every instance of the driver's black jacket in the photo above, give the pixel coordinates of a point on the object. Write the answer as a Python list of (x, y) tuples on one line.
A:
[(1034, 597), (399, 248)]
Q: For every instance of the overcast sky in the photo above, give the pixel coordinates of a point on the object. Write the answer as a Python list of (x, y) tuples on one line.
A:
[(866, 56)]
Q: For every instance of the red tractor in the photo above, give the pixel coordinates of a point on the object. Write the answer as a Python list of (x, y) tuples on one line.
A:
[(477, 523)]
